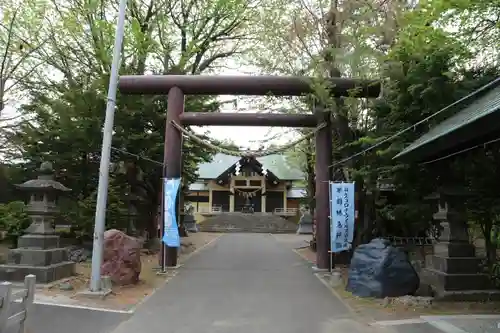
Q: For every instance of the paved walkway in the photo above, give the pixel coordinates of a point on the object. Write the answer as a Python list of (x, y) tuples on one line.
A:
[(244, 283), (45, 318), (445, 324)]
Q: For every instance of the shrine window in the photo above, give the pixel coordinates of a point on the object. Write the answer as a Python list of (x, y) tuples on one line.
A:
[(255, 183), (240, 182)]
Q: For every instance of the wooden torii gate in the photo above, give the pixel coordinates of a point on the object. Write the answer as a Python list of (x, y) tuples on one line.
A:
[(177, 86)]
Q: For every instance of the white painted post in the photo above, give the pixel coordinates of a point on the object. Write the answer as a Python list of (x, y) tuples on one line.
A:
[(30, 285), (6, 293), (102, 188)]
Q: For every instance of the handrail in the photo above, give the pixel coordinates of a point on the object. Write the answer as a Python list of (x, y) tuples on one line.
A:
[(9, 296), (217, 209), (285, 211)]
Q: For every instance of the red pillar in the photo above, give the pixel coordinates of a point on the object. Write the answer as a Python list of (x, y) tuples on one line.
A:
[(172, 158), (323, 161)]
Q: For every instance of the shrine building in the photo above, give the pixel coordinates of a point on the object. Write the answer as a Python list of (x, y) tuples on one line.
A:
[(239, 184)]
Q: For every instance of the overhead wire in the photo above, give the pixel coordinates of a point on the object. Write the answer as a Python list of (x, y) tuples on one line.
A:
[(258, 153), (363, 152), (136, 156), (461, 151), (412, 127), (223, 150)]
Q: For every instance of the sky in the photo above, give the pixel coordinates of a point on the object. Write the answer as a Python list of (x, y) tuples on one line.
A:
[(247, 137)]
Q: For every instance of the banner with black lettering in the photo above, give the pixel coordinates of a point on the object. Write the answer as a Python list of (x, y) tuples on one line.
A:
[(341, 216)]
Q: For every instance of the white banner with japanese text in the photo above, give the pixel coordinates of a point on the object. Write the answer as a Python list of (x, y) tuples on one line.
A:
[(341, 216)]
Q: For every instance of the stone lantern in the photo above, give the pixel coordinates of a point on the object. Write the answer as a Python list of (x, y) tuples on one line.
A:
[(305, 224), (453, 270), (189, 219), (38, 250), (132, 201)]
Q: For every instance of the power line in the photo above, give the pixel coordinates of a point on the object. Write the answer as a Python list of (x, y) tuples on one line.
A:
[(137, 156), (461, 151), (412, 127)]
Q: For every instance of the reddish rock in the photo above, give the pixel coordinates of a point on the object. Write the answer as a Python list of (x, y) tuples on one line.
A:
[(121, 257)]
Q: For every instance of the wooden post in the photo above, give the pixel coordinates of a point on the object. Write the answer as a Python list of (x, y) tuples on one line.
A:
[(231, 196), (173, 155), (210, 203), (261, 85), (263, 195), (247, 119), (285, 206), (323, 161)]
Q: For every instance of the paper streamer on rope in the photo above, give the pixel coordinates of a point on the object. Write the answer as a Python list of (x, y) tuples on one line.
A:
[(171, 232)]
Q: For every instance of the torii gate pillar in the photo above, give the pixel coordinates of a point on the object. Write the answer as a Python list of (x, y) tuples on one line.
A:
[(322, 196), (172, 160)]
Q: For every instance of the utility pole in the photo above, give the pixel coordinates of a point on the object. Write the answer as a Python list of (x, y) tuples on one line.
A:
[(102, 190)]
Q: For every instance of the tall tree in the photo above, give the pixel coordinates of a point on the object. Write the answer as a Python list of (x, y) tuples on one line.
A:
[(18, 48), (67, 108)]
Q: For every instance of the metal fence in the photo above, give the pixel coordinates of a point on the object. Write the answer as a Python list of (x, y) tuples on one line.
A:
[(12, 312), (411, 241)]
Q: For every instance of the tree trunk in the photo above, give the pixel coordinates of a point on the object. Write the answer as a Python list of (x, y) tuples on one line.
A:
[(490, 246)]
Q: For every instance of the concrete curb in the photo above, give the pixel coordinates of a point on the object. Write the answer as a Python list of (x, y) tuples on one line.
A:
[(186, 258), (439, 322), (134, 308), (325, 283), (303, 257), (336, 294)]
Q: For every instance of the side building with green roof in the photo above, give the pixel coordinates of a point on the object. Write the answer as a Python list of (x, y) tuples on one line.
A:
[(267, 184)]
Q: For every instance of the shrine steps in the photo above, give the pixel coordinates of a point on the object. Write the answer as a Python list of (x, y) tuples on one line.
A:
[(241, 222)]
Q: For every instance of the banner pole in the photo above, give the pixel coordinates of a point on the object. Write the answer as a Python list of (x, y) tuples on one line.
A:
[(331, 263), (162, 229), (331, 225)]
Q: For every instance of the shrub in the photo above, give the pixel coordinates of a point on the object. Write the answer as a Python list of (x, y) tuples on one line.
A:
[(14, 220)]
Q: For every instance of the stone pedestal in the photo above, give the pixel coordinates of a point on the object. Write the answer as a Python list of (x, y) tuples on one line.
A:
[(38, 251), (190, 223), (453, 270), (40, 255), (305, 224)]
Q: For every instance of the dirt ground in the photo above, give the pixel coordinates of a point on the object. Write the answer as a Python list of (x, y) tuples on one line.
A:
[(378, 309), (4, 249), (122, 297)]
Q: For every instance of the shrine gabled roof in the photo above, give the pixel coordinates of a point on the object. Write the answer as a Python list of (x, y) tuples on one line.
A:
[(247, 161), (278, 164), (478, 116)]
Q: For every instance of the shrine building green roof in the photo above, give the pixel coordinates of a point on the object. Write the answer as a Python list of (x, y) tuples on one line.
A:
[(278, 164), (477, 119)]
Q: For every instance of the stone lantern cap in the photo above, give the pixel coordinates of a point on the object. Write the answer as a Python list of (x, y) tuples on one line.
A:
[(44, 182)]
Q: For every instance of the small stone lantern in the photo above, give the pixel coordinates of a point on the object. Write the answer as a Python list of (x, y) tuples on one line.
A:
[(42, 208), (189, 219), (132, 201), (38, 250), (305, 224)]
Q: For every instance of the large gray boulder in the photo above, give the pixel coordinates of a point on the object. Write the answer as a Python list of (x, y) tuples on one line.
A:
[(380, 270)]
